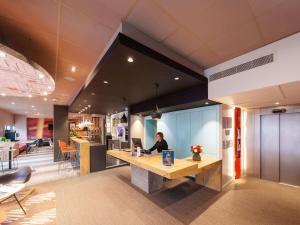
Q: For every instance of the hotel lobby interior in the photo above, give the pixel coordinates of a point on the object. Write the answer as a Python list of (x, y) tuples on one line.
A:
[(150, 112)]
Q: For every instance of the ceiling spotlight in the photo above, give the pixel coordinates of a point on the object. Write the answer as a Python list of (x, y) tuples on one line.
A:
[(3, 94), (13, 103), (206, 103), (41, 76), (32, 106), (130, 59), (73, 69), (30, 95), (2, 54), (277, 103), (105, 82), (69, 78), (176, 78), (45, 99), (93, 93), (49, 87), (45, 93), (89, 106), (86, 107)]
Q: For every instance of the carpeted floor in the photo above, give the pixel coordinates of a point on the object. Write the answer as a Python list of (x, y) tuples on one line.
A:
[(40, 208), (108, 198)]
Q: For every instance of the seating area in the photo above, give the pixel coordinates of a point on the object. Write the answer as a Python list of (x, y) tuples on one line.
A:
[(12, 183), (11, 151), (149, 112)]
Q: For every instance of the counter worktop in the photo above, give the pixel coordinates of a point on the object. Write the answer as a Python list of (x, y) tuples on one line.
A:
[(153, 163)]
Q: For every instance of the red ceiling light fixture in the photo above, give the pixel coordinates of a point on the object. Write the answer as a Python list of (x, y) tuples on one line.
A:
[(21, 76)]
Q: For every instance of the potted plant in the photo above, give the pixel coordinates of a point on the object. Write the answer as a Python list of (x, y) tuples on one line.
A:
[(196, 150)]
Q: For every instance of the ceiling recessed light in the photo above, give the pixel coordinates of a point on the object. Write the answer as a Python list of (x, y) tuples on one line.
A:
[(89, 106), (84, 100), (105, 82), (86, 107), (3, 94), (73, 69), (206, 103), (130, 59), (45, 99), (176, 78), (45, 93), (69, 78), (30, 95), (93, 93), (32, 106), (277, 103), (2, 54), (41, 76), (13, 103)]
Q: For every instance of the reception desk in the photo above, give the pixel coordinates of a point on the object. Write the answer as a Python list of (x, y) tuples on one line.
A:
[(147, 171), (92, 156)]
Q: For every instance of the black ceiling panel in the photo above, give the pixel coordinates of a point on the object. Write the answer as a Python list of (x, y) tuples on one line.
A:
[(130, 84)]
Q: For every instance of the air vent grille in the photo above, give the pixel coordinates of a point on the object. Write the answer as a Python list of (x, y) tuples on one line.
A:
[(243, 67)]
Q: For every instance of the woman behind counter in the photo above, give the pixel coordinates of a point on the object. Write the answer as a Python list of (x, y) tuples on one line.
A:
[(160, 144)]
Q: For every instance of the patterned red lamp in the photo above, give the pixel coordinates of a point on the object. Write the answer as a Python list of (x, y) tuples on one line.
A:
[(22, 77)]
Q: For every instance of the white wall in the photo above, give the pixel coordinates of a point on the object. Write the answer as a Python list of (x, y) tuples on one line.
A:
[(227, 151), (137, 127), (6, 118), (284, 69), (21, 126)]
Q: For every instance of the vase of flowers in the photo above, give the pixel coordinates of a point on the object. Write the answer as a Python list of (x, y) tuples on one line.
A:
[(196, 150)]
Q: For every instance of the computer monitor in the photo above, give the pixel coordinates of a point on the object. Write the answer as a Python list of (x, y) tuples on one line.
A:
[(137, 142)]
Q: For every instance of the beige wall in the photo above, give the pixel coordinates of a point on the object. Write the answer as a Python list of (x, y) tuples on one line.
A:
[(284, 69), (6, 118), (21, 126), (137, 127)]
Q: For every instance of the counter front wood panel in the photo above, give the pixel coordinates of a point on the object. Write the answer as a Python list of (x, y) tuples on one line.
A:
[(153, 163), (84, 149)]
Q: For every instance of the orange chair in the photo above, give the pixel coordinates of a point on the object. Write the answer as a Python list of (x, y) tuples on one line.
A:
[(66, 151)]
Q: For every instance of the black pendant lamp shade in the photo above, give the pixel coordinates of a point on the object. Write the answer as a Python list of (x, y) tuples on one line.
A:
[(124, 118), (156, 114)]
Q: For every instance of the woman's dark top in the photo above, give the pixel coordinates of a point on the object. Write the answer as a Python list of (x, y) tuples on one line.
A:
[(162, 145)]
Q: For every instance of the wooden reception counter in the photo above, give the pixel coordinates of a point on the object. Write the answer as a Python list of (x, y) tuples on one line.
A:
[(147, 171)]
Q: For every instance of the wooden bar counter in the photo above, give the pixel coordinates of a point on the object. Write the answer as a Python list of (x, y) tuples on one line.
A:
[(147, 171), (84, 150)]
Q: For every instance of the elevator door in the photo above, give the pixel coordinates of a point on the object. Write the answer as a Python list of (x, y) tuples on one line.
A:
[(270, 147), (290, 148)]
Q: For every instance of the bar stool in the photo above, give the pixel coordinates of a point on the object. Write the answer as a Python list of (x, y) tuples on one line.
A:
[(66, 152)]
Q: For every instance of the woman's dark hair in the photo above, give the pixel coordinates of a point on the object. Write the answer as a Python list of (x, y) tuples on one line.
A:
[(160, 134)]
